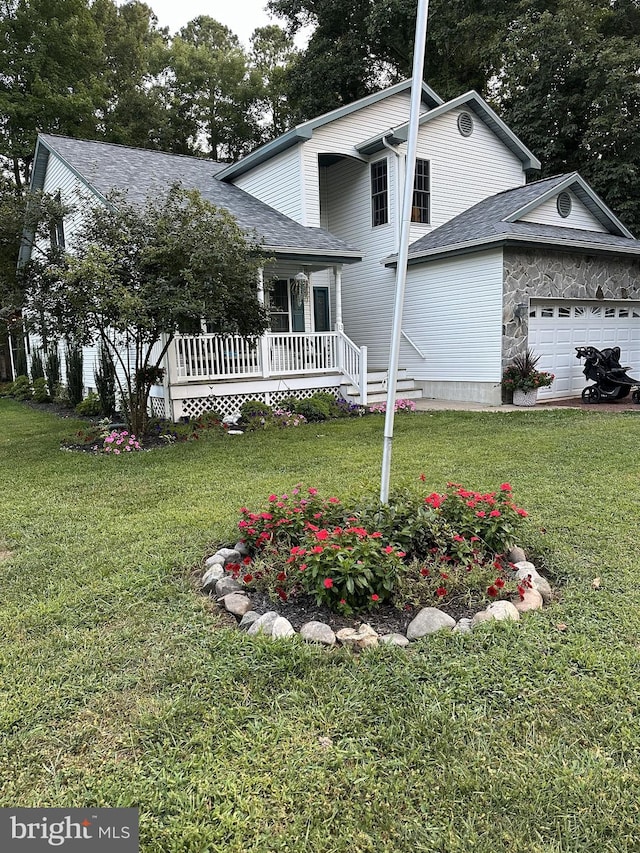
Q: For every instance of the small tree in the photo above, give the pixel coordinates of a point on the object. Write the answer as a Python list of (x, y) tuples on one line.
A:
[(142, 274)]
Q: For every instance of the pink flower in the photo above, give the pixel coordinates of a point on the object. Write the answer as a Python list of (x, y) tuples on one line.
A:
[(328, 583), (505, 487), (481, 514), (273, 498), (375, 597), (495, 513)]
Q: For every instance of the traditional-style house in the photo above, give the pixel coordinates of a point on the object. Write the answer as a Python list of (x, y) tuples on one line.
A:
[(498, 262)]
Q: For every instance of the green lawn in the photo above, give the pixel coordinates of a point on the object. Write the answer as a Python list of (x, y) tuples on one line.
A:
[(119, 688)]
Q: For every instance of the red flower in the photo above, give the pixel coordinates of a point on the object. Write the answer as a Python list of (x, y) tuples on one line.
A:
[(425, 573), (322, 534), (495, 513), (343, 601), (505, 487), (492, 591), (499, 583), (441, 591), (376, 535), (328, 583), (281, 593), (247, 578), (281, 576), (522, 512), (303, 567), (388, 549), (273, 498), (481, 514), (247, 561), (444, 575), (317, 549), (422, 477), (334, 500), (313, 492), (375, 597)]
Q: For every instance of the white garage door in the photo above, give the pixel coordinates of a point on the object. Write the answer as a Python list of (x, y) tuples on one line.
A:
[(556, 328)]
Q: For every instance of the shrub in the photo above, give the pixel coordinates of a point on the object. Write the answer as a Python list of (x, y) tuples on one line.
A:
[(37, 366), (314, 410), (52, 370), (21, 389), (90, 407), (75, 382), (105, 379), (40, 390), (256, 415), (346, 568)]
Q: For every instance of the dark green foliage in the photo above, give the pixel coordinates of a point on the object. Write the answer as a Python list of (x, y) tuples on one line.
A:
[(21, 389), (313, 409), (256, 414), (91, 406), (52, 369), (21, 358), (40, 390), (105, 378), (37, 365), (75, 381)]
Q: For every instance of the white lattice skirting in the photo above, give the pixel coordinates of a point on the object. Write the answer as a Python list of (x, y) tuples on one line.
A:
[(230, 404)]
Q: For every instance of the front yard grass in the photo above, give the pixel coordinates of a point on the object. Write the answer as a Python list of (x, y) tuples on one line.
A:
[(119, 688)]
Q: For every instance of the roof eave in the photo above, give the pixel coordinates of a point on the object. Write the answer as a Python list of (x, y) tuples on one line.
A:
[(582, 246), (585, 194), (322, 256)]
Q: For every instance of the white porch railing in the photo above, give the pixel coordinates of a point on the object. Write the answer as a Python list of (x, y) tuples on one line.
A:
[(221, 357)]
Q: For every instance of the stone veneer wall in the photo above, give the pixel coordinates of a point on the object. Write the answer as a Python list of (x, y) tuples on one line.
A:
[(533, 274)]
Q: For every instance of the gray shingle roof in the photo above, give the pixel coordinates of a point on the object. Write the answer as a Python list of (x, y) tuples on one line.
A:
[(484, 224), (144, 174)]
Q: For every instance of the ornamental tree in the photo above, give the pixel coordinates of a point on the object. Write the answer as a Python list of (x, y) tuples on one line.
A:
[(138, 276)]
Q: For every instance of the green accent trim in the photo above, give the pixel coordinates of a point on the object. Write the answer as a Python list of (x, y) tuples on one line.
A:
[(480, 107), (586, 195), (305, 130)]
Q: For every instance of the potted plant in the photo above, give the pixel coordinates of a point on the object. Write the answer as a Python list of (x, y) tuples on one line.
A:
[(523, 378)]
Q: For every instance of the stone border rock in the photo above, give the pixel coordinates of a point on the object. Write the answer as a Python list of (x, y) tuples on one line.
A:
[(233, 597)]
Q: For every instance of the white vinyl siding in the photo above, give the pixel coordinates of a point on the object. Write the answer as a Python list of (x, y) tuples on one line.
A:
[(464, 170), (278, 183), (453, 314), (580, 217), (60, 179), (367, 287)]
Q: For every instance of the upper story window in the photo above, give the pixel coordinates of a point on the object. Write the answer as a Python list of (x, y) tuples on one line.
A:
[(421, 207), (379, 193)]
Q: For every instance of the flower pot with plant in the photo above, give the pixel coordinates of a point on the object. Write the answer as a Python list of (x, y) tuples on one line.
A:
[(523, 379)]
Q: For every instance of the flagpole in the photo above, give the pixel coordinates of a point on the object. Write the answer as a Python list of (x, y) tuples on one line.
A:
[(403, 249)]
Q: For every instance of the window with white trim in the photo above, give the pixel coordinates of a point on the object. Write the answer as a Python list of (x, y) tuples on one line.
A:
[(379, 193), (421, 206)]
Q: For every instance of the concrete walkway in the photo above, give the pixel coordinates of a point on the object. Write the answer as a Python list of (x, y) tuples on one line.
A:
[(429, 405)]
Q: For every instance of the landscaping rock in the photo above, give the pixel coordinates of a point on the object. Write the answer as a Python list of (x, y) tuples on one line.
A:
[(363, 638), (241, 548), (499, 611), (227, 585), (537, 581), (211, 577), (525, 566), (516, 555), (237, 603), (248, 619), (532, 600), (428, 621), (216, 560), (264, 625), (282, 628), (462, 626), (230, 555), (393, 640), (317, 632)]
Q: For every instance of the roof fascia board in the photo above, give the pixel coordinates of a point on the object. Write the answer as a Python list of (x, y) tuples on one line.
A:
[(585, 194), (316, 256), (482, 109), (304, 131), (469, 246), (78, 175)]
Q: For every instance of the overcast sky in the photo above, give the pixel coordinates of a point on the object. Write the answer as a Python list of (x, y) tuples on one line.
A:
[(241, 16)]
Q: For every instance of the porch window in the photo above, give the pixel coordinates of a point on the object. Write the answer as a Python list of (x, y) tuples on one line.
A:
[(421, 207), (379, 193)]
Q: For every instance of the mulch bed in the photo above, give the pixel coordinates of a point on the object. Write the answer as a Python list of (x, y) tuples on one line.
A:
[(385, 619)]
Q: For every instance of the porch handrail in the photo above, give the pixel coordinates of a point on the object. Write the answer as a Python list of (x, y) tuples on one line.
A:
[(352, 361)]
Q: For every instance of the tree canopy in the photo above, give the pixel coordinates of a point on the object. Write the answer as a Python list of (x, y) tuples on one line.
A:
[(139, 276)]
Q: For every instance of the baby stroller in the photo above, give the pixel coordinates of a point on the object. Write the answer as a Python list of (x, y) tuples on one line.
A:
[(612, 380)]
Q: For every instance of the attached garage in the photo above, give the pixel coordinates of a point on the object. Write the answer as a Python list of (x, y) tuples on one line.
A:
[(557, 327)]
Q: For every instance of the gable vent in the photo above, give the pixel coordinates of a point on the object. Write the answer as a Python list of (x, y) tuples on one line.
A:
[(465, 124), (564, 205)]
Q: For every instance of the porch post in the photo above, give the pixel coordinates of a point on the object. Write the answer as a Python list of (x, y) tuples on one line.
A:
[(264, 343), (13, 366), (337, 271)]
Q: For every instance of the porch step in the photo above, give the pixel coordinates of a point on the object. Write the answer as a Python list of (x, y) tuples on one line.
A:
[(377, 388)]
